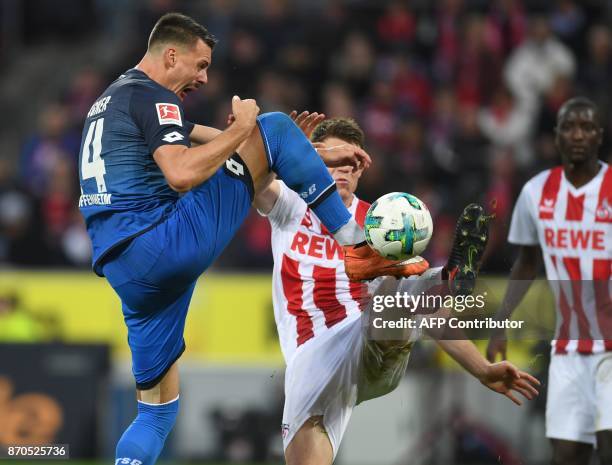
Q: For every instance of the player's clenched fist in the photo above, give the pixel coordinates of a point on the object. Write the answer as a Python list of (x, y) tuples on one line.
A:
[(244, 112)]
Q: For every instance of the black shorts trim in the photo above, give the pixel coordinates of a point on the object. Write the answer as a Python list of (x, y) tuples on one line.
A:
[(326, 193), (236, 168), (151, 384)]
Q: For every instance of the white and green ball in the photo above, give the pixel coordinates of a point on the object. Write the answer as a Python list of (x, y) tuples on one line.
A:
[(398, 226)]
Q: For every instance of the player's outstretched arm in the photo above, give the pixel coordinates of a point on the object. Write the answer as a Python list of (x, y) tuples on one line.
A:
[(523, 273), (185, 168), (502, 377)]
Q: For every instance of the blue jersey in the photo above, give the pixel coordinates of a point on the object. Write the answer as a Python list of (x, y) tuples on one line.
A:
[(123, 191)]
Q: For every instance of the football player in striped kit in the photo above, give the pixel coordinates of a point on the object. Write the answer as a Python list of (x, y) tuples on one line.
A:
[(564, 215), (333, 361)]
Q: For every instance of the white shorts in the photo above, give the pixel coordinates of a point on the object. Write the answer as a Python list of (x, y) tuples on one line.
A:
[(579, 399), (331, 373), (321, 379)]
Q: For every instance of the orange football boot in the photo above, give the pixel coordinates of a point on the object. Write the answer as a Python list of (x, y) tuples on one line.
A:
[(361, 263)]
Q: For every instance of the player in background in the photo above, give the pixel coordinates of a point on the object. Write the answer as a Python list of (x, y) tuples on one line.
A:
[(332, 363), (565, 215), (151, 243)]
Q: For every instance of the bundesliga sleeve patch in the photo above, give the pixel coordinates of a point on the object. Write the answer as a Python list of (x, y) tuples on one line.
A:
[(168, 113)]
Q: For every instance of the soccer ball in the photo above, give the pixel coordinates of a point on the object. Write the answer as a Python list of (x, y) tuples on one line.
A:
[(398, 226)]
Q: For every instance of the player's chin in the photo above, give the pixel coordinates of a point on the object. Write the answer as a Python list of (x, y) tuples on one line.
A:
[(343, 188)]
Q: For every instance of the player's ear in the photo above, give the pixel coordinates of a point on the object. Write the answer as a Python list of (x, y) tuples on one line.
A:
[(170, 57)]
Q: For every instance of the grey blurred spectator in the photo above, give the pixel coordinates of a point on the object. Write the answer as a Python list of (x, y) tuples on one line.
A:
[(507, 123), (533, 67)]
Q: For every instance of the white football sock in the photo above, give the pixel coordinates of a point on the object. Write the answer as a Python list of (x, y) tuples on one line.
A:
[(349, 234)]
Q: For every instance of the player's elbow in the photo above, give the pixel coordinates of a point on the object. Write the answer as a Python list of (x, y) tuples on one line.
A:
[(179, 182)]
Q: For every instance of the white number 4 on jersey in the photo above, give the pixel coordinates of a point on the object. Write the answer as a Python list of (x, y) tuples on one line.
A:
[(94, 168)]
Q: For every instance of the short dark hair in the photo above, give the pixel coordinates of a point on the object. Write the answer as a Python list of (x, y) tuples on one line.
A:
[(578, 103), (179, 29), (346, 129)]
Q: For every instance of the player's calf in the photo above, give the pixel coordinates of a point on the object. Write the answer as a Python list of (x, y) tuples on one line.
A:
[(143, 441), (310, 445)]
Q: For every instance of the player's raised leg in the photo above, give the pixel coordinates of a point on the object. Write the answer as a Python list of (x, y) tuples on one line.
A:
[(280, 146)]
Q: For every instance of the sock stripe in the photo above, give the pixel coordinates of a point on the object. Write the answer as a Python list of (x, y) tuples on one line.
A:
[(156, 405), (322, 196)]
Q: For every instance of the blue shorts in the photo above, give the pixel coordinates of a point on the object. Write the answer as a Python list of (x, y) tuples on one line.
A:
[(155, 273)]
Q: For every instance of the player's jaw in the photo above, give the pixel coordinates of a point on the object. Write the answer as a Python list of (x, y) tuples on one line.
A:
[(187, 89)]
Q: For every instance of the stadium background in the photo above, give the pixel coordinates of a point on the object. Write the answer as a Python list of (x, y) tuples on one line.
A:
[(457, 99)]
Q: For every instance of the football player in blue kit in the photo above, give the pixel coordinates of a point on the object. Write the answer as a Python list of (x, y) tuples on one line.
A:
[(151, 243)]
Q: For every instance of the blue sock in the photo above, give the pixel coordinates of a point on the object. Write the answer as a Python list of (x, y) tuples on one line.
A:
[(144, 439), (292, 157)]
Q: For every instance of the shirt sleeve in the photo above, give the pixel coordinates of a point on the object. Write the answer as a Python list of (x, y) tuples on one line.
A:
[(523, 230), (159, 115), (289, 207)]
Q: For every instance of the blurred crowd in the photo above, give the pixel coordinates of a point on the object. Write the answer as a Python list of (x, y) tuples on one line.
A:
[(457, 99)]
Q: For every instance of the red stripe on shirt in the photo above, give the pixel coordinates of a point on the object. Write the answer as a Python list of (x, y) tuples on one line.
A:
[(566, 315), (292, 287), (603, 213), (603, 301), (550, 191), (359, 293), (585, 341), (575, 207), (324, 295), (360, 212)]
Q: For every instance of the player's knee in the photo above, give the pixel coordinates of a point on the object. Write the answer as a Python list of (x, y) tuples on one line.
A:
[(276, 121)]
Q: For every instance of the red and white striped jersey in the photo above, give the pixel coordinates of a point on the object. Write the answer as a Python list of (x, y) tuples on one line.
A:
[(311, 291), (573, 226)]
